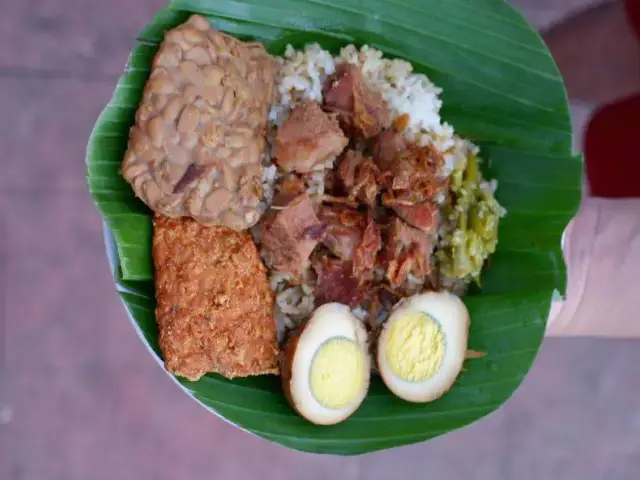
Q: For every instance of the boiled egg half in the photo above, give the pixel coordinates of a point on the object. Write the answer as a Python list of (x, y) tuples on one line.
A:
[(422, 346), (326, 368)]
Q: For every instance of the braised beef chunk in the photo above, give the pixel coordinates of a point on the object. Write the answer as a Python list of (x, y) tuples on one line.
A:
[(379, 206), (364, 259), (422, 215), (307, 138), (331, 182), (348, 166), (352, 236), (386, 148), (338, 92), (345, 228), (360, 177), (360, 109), (290, 233), (413, 184), (336, 283), (288, 188), (367, 186), (418, 172), (316, 232), (407, 251)]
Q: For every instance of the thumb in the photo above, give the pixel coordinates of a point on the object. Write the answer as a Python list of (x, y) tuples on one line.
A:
[(602, 253), (577, 246)]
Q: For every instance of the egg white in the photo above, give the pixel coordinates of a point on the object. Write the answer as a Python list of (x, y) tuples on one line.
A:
[(453, 317), (327, 322)]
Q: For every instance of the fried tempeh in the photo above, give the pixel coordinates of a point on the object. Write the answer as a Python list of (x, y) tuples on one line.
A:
[(198, 141)]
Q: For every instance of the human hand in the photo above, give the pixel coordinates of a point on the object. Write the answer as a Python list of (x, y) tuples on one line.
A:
[(602, 252), (602, 244)]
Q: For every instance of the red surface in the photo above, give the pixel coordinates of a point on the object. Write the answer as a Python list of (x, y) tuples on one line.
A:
[(611, 150), (633, 11), (611, 141)]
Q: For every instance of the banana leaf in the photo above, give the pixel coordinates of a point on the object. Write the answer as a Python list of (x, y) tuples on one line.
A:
[(501, 89)]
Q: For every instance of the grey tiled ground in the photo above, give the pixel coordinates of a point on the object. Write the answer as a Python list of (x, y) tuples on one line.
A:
[(86, 400)]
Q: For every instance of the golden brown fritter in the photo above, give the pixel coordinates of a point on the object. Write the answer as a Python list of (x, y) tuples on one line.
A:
[(214, 306)]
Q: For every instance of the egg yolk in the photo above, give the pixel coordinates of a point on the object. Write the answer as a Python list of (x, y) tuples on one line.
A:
[(415, 347), (337, 373)]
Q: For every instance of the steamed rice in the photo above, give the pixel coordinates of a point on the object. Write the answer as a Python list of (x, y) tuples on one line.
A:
[(302, 75)]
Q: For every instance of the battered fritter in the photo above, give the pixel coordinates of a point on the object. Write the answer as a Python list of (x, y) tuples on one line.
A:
[(214, 306)]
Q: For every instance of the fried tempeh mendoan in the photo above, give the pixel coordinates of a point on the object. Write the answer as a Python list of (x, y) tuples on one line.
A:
[(214, 306)]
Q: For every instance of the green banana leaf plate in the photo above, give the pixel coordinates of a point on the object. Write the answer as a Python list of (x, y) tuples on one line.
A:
[(501, 89)]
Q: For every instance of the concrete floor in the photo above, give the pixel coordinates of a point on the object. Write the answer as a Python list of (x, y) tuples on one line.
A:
[(80, 398)]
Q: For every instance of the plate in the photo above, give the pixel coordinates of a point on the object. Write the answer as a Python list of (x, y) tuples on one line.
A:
[(501, 89)]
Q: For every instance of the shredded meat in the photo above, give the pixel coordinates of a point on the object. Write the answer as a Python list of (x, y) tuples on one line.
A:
[(360, 177), (364, 259), (417, 173), (339, 200), (330, 181), (307, 138), (354, 237), (422, 215), (348, 167), (412, 179), (386, 148), (345, 228), (336, 283), (407, 251), (360, 109), (289, 187), (290, 233), (396, 239)]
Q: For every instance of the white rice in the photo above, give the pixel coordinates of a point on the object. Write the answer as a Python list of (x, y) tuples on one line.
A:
[(302, 75)]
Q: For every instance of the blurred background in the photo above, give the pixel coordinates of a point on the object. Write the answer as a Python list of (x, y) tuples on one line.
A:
[(80, 397)]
